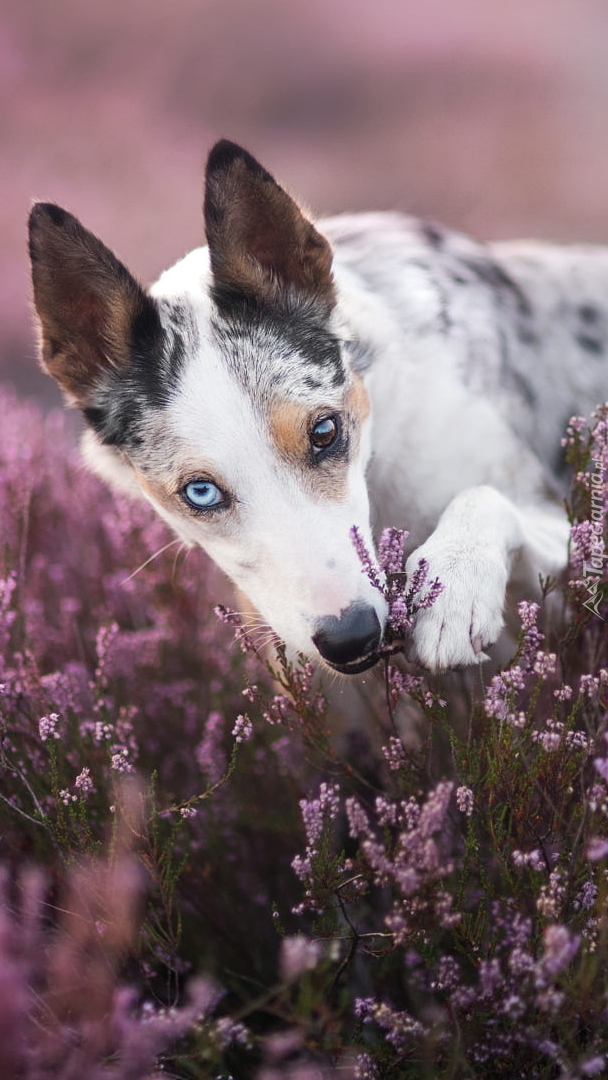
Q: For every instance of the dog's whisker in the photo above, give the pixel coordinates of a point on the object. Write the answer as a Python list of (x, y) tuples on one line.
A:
[(249, 619), (184, 549), (147, 562), (253, 623)]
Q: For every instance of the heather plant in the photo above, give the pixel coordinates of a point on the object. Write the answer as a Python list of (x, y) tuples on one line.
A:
[(201, 881)]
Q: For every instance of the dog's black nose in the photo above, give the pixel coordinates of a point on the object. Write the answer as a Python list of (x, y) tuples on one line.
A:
[(350, 642)]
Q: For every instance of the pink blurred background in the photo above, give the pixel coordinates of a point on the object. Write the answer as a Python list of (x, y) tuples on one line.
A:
[(492, 117)]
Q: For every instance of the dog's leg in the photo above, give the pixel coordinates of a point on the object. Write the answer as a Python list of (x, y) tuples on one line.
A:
[(480, 541)]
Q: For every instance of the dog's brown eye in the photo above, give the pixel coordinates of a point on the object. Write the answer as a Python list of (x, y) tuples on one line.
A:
[(324, 433)]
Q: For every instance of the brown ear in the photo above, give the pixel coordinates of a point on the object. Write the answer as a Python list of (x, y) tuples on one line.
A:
[(90, 308), (260, 243)]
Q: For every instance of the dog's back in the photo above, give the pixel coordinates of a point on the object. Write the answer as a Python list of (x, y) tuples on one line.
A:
[(524, 323)]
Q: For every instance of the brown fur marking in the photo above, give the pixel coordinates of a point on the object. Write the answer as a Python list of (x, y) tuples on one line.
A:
[(289, 422), (156, 491), (358, 400)]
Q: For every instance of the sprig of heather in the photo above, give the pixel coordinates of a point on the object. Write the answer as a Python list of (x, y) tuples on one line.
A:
[(299, 707), (405, 597)]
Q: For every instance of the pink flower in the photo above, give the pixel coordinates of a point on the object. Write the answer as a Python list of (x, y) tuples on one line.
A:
[(47, 727), (298, 955), (83, 781)]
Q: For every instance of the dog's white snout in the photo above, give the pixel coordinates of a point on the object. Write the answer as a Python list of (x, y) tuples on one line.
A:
[(349, 642)]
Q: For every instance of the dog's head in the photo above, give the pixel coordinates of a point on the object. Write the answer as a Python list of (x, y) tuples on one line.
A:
[(225, 395)]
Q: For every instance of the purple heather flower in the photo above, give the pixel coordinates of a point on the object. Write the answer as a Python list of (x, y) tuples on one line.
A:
[(576, 426), (501, 691), (532, 637), (391, 548), (560, 947), (367, 562), (243, 729), (551, 896), (586, 896), (401, 682), (528, 614), (83, 781), (545, 664), (585, 544), (47, 727), (448, 974), (317, 814), (551, 739), (593, 1066), (365, 1068), (230, 1032), (233, 619), (490, 977), (298, 954), (404, 597), (401, 1029), (394, 753), (591, 685), (533, 858), (120, 761), (597, 848), (563, 693), (387, 810), (210, 752), (465, 800), (601, 766), (434, 809), (358, 821)]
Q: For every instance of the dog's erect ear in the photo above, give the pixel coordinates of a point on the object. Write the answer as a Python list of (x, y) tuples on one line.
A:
[(90, 308), (260, 242)]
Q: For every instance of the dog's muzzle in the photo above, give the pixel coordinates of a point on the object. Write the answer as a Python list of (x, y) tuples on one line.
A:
[(349, 643)]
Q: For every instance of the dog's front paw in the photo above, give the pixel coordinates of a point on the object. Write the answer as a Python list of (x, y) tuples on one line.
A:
[(467, 615)]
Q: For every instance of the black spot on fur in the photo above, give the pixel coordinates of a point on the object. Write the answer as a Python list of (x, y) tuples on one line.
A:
[(491, 274), (592, 332), (117, 420), (459, 278), (147, 381), (146, 348), (526, 334), (311, 383), (300, 333), (96, 418), (592, 345), (524, 388), (588, 313), (432, 234)]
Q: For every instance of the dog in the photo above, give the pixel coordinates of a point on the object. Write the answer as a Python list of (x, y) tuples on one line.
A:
[(292, 380)]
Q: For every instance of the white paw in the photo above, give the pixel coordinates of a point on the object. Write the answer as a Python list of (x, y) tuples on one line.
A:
[(467, 615)]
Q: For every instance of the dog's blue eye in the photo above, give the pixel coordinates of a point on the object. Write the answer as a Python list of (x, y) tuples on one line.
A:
[(202, 494)]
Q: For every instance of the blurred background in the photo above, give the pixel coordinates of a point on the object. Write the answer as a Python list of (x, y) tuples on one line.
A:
[(489, 116)]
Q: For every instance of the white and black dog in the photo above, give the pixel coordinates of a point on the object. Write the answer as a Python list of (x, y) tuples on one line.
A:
[(289, 381)]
